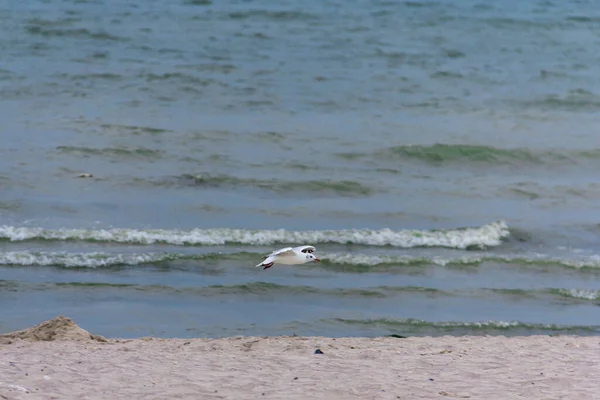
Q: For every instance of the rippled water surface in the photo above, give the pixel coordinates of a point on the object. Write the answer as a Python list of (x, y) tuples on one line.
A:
[(441, 156)]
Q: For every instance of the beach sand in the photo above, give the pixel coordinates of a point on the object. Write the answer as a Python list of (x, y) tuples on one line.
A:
[(59, 360)]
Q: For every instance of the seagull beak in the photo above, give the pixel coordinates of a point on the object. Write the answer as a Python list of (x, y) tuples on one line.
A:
[(317, 259)]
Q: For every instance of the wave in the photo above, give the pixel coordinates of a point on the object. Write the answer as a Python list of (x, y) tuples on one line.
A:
[(179, 77), (446, 75), (465, 238), (574, 100), (130, 129), (105, 260), (360, 262), (312, 187), (113, 152), (56, 22), (8, 75), (84, 125), (80, 33), (343, 262), (578, 294), (583, 18), (198, 2), (259, 288), (10, 205), (412, 325), (91, 76), (256, 288), (445, 153), (83, 260), (283, 15), (519, 23)]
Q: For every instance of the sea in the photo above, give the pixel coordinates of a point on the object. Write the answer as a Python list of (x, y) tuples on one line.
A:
[(442, 156)]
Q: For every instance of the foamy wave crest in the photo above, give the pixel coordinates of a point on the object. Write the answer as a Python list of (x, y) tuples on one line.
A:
[(585, 294), (348, 262), (481, 237), (458, 325), (98, 260), (587, 262), (79, 260), (539, 260), (374, 261)]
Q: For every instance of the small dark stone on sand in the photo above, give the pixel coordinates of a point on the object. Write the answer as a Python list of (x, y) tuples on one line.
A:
[(295, 378), (431, 379), (318, 351), (397, 336)]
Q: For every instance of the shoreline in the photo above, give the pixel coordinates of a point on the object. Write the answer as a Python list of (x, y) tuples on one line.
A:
[(57, 359)]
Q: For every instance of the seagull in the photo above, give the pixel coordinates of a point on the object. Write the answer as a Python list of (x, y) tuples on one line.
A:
[(290, 256)]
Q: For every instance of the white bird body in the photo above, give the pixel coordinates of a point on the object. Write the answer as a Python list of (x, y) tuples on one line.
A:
[(289, 256)]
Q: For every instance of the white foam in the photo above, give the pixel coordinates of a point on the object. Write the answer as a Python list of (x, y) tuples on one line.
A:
[(501, 325), (82, 260), (97, 259), (371, 261), (492, 324), (584, 262), (482, 237), (466, 324), (586, 294)]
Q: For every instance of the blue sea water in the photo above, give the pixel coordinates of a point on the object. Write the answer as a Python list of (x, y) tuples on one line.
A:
[(442, 157)]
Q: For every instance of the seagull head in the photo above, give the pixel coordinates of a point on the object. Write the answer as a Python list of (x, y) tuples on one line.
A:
[(311, 257)]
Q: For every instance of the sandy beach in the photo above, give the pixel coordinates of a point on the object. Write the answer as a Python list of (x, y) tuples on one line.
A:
[(59, 360)]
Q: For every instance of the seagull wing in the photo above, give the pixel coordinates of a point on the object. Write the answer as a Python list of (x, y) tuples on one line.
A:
[(287, 251), (305, 249)]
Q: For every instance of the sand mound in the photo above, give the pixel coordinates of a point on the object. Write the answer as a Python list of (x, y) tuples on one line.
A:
[(59, 328)]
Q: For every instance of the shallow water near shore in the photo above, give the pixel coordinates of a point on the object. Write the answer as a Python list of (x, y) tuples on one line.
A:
[(442, 158)]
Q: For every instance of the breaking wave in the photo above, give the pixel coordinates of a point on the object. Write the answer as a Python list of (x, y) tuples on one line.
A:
[(343, 262), (482, 237), (411, 325)]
